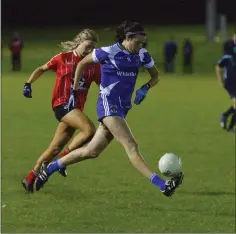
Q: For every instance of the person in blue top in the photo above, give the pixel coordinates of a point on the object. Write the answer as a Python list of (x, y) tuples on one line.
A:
[(226, 74), (120, 64), (170, 52)]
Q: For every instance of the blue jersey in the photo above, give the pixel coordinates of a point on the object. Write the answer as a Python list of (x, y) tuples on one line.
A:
[(119, 70), (229, 64)]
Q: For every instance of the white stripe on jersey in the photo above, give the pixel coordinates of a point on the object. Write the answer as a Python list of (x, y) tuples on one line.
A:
[(149, 65), (105, 104), (141, 55), (95, 59), (112, 51), (107, 90), (226, 56)]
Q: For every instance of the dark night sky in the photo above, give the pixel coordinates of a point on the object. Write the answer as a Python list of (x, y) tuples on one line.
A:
[(78, 12)]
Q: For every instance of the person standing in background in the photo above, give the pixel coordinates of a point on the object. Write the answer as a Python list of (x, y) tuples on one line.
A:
[(187, 56), (226, 74), (170, 51), (16, 45)]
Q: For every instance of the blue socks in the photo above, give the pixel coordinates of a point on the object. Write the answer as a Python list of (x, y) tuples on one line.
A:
[(55, 166), (156, 180)]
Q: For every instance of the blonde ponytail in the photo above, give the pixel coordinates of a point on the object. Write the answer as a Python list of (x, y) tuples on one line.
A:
[(86, 34)]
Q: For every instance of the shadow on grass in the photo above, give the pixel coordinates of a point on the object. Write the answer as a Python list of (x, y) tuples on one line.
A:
[(208, 193)]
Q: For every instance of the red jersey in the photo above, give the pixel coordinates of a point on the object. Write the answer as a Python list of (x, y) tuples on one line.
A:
[(64, 64), (16, 45)]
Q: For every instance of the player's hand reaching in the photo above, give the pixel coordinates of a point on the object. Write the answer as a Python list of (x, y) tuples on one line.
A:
[(71, 103), (141, 94), (27, 91)]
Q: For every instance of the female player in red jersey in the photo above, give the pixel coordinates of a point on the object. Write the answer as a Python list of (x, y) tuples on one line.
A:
[(64, 65)]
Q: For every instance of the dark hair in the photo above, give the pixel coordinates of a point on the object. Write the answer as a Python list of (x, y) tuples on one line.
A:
[(229, 47), (129, 29)]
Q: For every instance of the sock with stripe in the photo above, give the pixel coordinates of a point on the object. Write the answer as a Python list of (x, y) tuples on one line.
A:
[(64, 153), (30, 178), (156, 180)]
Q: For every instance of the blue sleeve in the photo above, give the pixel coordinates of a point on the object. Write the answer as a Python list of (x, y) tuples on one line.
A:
[(100, 55), (146, 59), (223, 61)]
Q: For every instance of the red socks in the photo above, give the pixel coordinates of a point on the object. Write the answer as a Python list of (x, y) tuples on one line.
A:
[(31, 177), (64, 153)]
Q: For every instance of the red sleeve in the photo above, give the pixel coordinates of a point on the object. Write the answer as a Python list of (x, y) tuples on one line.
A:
[(52, 64), (97, 74)]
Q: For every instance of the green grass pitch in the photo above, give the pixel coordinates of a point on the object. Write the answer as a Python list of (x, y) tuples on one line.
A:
[(180, 115)]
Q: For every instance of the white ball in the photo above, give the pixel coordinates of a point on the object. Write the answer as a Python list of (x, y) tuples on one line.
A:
[(170, 164)]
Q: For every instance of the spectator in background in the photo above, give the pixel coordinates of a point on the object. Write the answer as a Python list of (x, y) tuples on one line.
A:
[(187, 56), (226, 74), (170, 51), (15, 46)]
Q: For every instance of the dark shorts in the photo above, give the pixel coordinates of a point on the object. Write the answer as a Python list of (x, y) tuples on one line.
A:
[(231, 89), (187, 60), (60, 111)]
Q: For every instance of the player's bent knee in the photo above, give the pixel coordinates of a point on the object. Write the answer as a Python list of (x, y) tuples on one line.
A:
[(90, 131)]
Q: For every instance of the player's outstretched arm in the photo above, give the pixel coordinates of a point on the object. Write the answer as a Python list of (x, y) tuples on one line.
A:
[(27, 91), (37, 73)]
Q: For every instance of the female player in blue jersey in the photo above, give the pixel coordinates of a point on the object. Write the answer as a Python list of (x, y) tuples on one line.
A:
[(120, 65), (228, 81)]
